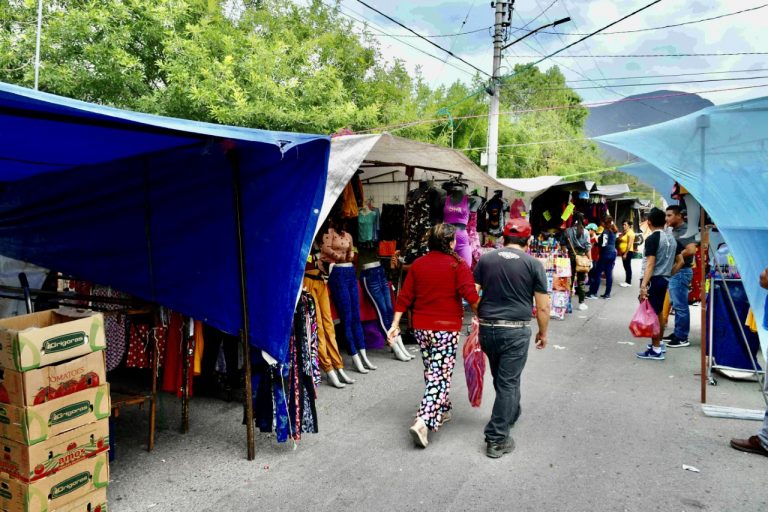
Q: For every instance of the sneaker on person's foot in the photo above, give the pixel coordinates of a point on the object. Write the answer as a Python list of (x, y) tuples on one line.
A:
[(651, 354), (668, 338), (590, 296), (419, 433), (663, 347), (583, 307), (496, 450), (607, 297), (625, 285), (676, 343)]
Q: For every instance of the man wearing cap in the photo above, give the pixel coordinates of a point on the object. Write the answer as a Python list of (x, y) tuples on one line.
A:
[(510, 280)]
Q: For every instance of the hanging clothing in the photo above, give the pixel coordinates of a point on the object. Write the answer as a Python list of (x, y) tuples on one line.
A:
[(349, 202), (173, 374), (392, 221), (366, 222), (374, 281), (474, 238), (115, 326), (517, 209), (417, 211), (197, 356), (456, 213), (138, 346), (328, 354)]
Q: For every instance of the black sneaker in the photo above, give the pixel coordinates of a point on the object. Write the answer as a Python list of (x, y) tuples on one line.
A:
[(676, 343), (496, 450), (607, 297), (667, 339)]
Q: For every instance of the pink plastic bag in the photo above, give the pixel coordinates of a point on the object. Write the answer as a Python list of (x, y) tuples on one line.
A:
[(474, 364), (645, 322)]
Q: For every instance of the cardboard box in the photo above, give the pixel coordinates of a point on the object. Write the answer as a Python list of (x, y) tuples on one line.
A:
[(34, 424), (94, 502), (59, 490), (52, 382), (30, 463), (40, 339)]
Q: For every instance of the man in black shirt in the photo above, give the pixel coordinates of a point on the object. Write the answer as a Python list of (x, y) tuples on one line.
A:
[(510, 279)]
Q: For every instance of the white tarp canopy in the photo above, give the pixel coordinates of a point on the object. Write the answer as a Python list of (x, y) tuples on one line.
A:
[(611, 190), (382, 158), (531, 188)]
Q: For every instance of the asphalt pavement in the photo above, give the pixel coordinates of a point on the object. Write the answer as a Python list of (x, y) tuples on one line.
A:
[(600, 430)]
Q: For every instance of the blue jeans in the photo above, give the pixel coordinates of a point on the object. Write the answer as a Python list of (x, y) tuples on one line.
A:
[(374, 281), (678, 296), (507, 351), (604, 265), (346, 298)]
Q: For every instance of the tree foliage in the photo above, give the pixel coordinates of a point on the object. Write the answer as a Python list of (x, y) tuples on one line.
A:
[(280, 65)]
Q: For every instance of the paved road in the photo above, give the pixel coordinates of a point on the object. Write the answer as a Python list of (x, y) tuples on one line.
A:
[(600, 430)]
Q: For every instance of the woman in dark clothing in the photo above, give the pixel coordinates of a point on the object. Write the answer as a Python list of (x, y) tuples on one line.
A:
[(433, 290), (576, 239), (607, 243)]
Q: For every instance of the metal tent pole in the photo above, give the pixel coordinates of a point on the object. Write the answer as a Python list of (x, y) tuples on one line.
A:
[(702, 122), (245, 331)]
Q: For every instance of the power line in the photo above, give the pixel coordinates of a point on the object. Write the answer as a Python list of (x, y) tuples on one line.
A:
[(540, 14), (646, 55), (449, 52), (530, 66), (371, 24), (674, 75), (647, 29), (435, 36), (644, 84), (453, 44), (409, 124)]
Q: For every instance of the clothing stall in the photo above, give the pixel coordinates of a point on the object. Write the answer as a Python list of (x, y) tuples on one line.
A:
[(166, 210)]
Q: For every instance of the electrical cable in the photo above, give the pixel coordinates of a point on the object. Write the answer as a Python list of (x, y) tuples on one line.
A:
[(400, 126), (673, 75), (654, 55), (375, 27), (647, 29), (449, 52), (644, 84)]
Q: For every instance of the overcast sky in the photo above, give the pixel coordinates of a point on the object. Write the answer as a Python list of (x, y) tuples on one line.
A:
[(738, 33)]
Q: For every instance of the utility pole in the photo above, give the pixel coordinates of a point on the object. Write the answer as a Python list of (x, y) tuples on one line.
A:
[(493, 115)]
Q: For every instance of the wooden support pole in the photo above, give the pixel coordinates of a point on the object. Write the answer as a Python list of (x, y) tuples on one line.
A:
[(245, 332), (186, 352)]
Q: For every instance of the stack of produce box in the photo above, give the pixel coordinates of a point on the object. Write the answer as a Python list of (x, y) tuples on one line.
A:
[(54, 413)]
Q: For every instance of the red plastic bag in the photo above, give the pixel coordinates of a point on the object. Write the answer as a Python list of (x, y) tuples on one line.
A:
[(645, 322), (474, 364)]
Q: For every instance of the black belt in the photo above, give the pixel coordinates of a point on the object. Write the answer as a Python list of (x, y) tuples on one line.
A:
[(512, 324)]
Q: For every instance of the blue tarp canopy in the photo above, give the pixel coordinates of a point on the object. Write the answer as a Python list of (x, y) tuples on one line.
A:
[(720, 154), (146, 204)]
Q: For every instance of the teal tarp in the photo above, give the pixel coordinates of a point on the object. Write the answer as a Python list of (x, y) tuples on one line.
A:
[(720, 154)]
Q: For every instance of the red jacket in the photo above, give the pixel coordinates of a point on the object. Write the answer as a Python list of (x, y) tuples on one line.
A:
[(434, 287)]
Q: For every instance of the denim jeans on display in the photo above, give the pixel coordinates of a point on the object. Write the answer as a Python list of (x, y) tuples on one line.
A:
[(344, 292), (679, 285), (507, 351), (375, 285)]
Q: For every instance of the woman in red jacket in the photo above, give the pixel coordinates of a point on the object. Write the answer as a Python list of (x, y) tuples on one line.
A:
[(433, 289)]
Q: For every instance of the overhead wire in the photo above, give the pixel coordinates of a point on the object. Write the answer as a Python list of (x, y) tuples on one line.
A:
[(374, 26), (649, 83), (648, 29), (653, 55), (449, 52), (409, 124), (453, 44), (753, 70)]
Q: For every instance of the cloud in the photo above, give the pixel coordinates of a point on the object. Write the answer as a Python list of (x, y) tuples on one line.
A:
[(739, 33)]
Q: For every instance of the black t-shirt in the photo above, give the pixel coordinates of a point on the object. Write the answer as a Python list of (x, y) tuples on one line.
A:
[(509, 278)]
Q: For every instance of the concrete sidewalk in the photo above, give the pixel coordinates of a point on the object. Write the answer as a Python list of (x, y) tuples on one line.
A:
[(600, 430)]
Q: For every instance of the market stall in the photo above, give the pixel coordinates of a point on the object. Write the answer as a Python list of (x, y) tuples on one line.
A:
[(166, 210)]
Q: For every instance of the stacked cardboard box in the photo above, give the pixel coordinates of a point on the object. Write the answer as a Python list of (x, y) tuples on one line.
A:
[(54, 412)]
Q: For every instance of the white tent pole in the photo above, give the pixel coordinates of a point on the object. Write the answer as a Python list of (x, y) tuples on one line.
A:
[(37, 44)]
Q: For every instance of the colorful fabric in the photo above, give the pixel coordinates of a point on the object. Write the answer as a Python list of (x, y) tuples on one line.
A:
[(474, 238), (454, 213), (138, 353), (417, 211), (474, 364), (438, 353), (115, 327)]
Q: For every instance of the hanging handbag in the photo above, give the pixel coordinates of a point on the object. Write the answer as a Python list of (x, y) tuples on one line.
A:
[(583, 263)]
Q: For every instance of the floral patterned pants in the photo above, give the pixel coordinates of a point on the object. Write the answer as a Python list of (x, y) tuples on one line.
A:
[(438, 352)]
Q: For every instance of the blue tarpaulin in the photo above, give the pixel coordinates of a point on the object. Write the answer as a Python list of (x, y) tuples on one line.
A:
[(720, 154), (146, 204)]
